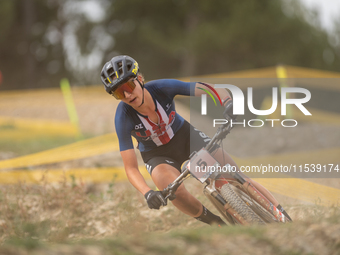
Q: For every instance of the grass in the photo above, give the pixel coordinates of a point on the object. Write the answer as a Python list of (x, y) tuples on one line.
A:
[(46, 212), (113, 219)]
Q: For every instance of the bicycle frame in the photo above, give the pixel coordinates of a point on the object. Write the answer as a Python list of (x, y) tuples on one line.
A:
[(215, 180)]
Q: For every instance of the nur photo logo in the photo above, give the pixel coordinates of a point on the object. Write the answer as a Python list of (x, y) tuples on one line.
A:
[(239, 105)]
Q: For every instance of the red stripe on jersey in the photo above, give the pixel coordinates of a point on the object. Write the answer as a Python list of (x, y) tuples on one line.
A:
[(159, 129), (165, 137)]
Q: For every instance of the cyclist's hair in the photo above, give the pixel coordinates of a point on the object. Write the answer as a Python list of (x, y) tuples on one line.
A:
[(142, 75)]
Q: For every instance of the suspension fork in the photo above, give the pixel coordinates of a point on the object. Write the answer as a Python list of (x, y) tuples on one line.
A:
[(234, 214)]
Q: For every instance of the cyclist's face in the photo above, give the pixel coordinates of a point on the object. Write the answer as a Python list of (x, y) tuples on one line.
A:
[(128, 86), (134, 97)]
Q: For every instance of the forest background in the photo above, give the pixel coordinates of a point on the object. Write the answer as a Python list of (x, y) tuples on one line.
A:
[(43, 41)]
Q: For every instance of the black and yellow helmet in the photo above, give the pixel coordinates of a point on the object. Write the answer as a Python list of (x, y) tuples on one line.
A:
[(118, 71)]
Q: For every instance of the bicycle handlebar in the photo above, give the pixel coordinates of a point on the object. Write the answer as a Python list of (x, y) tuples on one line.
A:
[(169, 192), (220, 134)]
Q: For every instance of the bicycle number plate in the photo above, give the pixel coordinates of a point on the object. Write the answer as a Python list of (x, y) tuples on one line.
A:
[(202, 165)]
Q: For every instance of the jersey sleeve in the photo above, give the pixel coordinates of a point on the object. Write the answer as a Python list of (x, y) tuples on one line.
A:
[(124, 127), (174, 87)]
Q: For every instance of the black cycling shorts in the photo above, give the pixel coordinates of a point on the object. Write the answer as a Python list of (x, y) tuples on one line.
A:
[(186, 141)]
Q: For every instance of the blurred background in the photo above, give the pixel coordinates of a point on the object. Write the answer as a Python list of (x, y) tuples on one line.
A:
[(61, 174), (43, 41), (52, 51)]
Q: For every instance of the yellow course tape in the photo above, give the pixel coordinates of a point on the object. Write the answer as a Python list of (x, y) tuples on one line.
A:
[(324, 156), (82, 149), (302, 190), (318, 116), (91, 175), (282, 77), (295, 188), (271, 72)]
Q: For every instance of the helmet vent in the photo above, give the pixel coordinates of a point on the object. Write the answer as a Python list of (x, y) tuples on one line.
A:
[(120, 71), (104, 78), (110, 71), (117, 71), (113, 77)]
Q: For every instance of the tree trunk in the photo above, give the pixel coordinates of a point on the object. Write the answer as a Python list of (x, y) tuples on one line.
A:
[(28, 19)]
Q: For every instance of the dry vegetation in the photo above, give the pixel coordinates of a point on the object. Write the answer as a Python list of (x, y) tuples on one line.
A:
[(112, 218), (63, 211)]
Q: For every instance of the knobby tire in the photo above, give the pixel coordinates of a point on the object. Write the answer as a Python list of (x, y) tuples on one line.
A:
[(239, 205), (220, 208)]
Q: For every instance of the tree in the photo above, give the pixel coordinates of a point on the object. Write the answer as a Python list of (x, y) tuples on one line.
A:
[(46, 41), (43, 41), (28, 57), (183, 38)]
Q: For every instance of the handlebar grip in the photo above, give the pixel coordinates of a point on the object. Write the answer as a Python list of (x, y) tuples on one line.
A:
[(166, 194), (172, 197)]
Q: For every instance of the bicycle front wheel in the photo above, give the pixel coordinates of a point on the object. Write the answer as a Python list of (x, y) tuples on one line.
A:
[(237, 204), (255, 206)]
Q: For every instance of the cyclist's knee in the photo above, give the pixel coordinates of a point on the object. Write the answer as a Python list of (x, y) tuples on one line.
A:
[(164, 174), (182, 193)]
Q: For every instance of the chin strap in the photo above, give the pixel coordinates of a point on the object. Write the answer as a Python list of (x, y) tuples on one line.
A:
[(142, 86)]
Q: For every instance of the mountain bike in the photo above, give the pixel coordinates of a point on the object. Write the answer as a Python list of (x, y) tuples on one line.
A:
[(238, 201)]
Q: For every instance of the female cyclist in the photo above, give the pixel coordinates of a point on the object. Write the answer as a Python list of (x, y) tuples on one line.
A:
[(147, 112)]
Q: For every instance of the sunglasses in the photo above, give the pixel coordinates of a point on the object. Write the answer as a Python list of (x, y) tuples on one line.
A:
[(128, 86)]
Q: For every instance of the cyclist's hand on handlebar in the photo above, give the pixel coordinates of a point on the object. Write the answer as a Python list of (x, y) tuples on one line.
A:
[(228, 112), (155, 199)]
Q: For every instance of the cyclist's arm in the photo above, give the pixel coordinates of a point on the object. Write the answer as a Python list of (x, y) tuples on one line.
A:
[(132, 171), (223, 93)]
